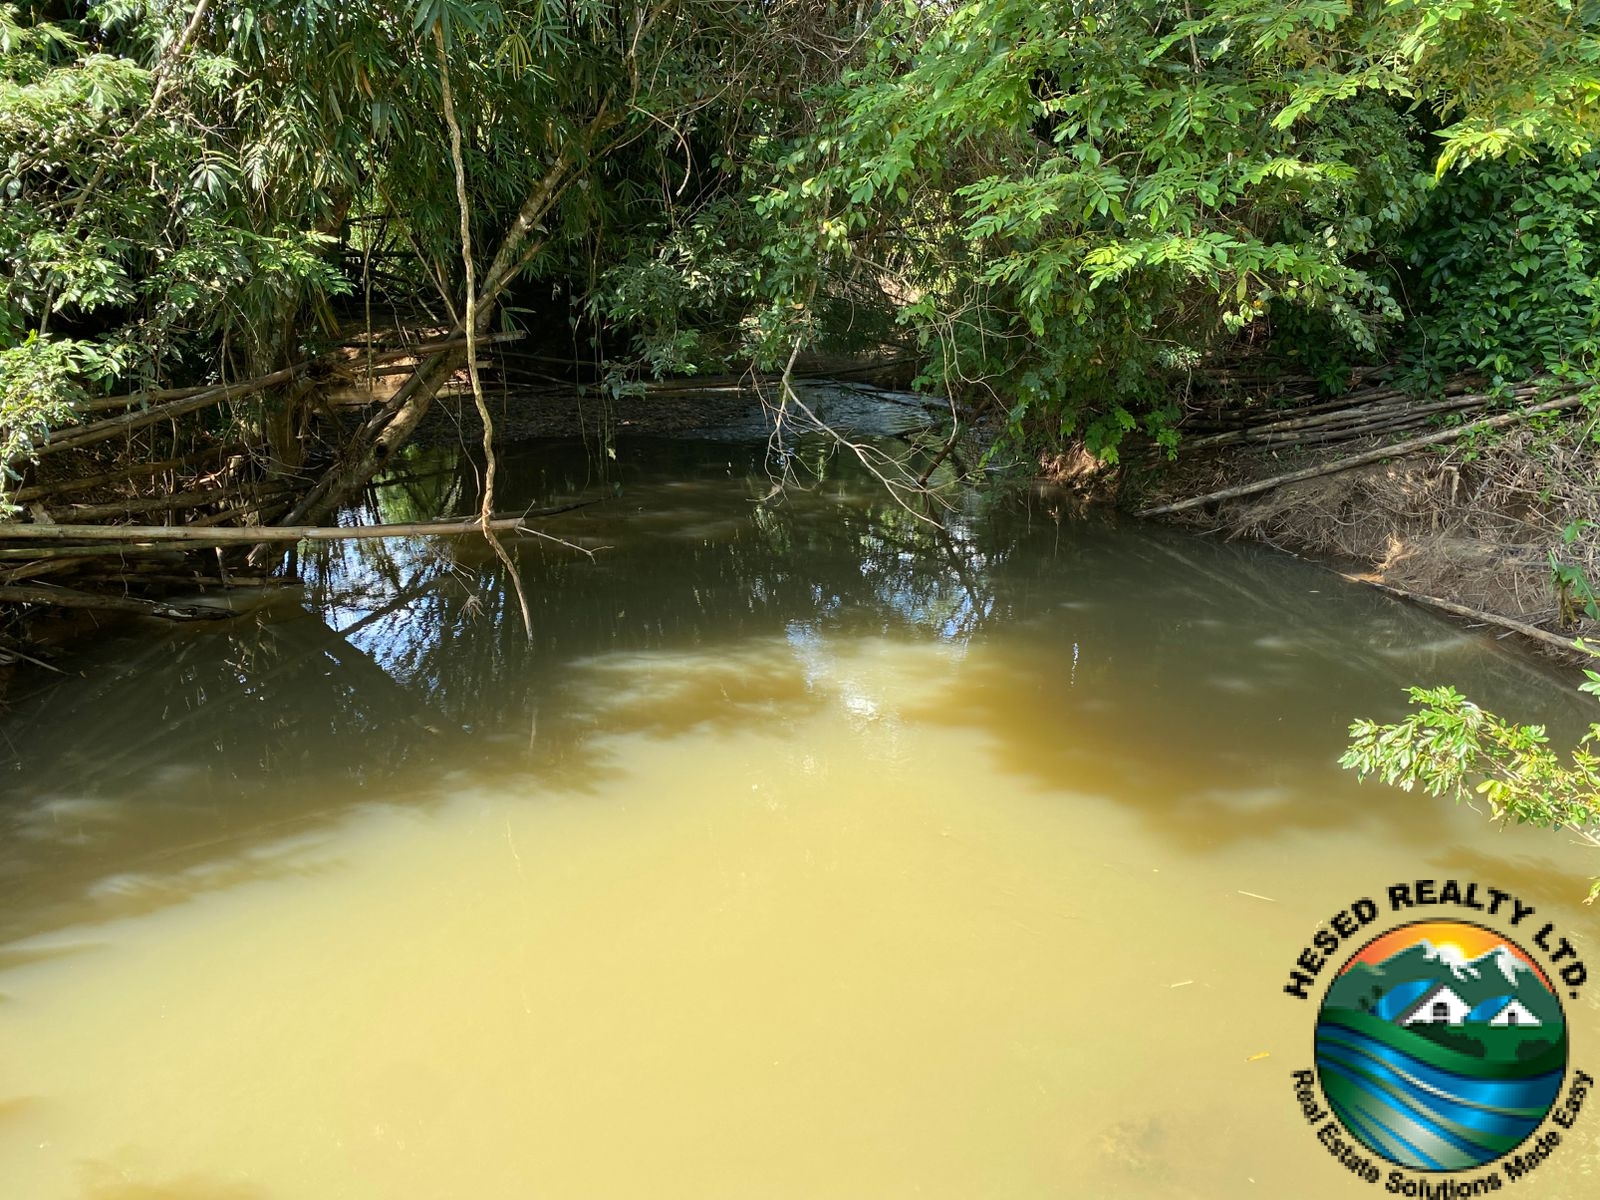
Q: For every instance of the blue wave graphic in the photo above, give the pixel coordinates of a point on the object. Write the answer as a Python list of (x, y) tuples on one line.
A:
[(1527, 1093), (1422, 1116)]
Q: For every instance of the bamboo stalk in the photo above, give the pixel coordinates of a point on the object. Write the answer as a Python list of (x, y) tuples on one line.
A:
[(1360, 415), (274, 505), (458, 343), (175, 502), (1361, 398), (1347, 430), (82, 553), (1396, 450), (85, 435), (381, 372), (200, 581), (132, 399), (1350, 434)]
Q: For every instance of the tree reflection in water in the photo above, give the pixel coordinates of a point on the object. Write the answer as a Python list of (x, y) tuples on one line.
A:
[(1159, 669)]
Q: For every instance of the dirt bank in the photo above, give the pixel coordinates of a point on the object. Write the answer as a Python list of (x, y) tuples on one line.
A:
[(1506, 524)]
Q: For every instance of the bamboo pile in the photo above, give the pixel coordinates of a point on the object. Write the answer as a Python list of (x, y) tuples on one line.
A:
[(1368, 412), (1372, 413)]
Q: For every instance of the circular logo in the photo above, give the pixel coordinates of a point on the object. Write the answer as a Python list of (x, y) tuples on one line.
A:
[(1441, 1046)]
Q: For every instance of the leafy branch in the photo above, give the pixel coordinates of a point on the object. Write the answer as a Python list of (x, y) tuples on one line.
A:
[(1451, 746)]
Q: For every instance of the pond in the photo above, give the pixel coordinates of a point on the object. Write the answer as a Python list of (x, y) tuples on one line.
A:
[(801, 849)]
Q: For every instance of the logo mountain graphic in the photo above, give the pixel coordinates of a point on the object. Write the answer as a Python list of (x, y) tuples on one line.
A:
[(1494, 974), (1437, 1060)]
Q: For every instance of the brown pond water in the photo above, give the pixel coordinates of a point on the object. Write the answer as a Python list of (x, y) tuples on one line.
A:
[(804, 851)]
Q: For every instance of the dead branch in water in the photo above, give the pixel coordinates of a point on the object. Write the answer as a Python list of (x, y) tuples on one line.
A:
[(1473, 614), (62, 597), (254, 534), (86, 483), (171, 502)]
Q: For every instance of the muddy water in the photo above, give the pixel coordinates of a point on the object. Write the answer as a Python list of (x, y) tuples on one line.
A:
[(802, 851)]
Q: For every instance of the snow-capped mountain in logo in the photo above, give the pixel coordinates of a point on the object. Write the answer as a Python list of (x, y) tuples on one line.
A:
[(1502, 959)]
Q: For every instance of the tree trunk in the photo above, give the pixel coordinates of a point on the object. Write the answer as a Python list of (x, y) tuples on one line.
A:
[(378, 440)]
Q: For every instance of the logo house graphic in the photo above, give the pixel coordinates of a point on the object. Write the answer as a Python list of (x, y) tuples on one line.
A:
[(1441, 1046)]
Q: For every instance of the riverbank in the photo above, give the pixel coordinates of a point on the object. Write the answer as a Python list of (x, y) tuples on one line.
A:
[(1502, 524), (1497, 526)]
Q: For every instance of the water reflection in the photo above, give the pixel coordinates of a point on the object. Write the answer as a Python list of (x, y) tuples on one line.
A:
[(1207, 686), (780, 851)]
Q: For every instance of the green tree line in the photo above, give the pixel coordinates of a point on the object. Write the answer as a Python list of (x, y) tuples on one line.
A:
[(1066, 206)]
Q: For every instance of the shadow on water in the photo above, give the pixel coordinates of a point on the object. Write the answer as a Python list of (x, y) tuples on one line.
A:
[(1207, 686)]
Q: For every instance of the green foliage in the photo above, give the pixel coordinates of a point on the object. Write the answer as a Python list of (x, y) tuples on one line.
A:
[(129, 226), (1068, 204), (1065, 206), (185, 194), (1505, 260), (37, 387), (679, 283), (1574, 589), (1451, 746)]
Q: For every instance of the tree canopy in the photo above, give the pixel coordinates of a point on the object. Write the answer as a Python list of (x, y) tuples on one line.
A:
[(1065, 206)]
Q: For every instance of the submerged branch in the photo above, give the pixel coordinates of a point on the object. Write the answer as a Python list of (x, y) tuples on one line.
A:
[(62, 597)]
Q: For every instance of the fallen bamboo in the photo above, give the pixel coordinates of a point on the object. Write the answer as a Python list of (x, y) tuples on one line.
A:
[(87, 435), (72, 554), (1475, 614), (275, 505), (49, 566), (10, 654), (1352, 434), (1395, 450), (71, 598), (175, 501), (134, 399), (1357, 415), (1347, 431), (390, 354), (384, 370), (250, 535), (198, 580), (1287, 409), (1224, 427), (67, 487)]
